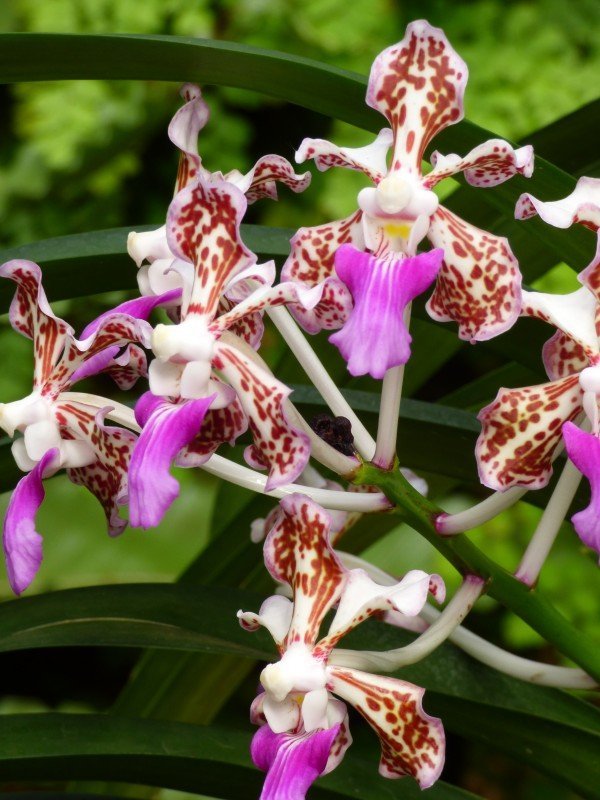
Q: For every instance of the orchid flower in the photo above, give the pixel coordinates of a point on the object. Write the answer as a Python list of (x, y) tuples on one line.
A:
[(58, 430), (369, 258), (164, 270), (189, 410), (522, 427), (304, 729)]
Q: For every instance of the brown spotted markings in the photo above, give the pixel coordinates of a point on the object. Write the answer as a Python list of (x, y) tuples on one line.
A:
[(285, 449), (106, 477), (521, 430), (412, 742), (488, 164), (270, 170), (418, 85), (562, 356), (297, 552), (203, 227), (218, 426), (31, 315), (479, 284)]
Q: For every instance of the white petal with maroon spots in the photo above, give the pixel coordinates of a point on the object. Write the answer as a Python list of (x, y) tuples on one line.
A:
[(521, 430), (262, 396), (418, 85), (488, 164), (479, 284), (371, 159), (412, 742)]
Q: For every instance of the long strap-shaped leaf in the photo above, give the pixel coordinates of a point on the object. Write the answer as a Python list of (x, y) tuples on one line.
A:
[(159, 616), (205, 760), (319, 87), (203, 619)]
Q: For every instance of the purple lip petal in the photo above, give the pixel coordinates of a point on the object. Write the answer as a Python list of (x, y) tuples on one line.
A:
[(375, 338), (97, 363), (167, 428), (140, 308), (292, 761), (584, 451), (22, 543)]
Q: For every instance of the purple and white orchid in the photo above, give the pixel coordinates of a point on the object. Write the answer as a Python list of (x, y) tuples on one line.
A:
[(163, 270), (59, 430), (418, 85), (522, 428), (207, 384), (304, 729)]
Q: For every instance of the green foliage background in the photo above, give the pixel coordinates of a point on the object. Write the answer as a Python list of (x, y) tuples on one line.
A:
[(83, 155)]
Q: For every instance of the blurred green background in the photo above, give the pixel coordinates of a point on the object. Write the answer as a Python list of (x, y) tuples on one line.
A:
[(84, 155)]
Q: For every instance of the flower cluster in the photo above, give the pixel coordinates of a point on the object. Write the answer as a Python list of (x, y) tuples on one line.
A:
[(207, 385)]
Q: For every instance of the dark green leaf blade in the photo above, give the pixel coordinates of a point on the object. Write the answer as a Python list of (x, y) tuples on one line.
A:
[(207, 760)]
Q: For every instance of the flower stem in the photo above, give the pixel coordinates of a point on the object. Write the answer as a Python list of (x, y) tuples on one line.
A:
[(533, 609), (325, 385), (549, 525), (482, 650), (448, 620), (389, 411), (510, 664), (328, 498), (450, 524)]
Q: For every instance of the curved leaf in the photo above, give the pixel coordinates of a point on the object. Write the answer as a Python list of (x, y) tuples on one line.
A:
[(95, 262), (206, 760), (319, 87), (159, 616)]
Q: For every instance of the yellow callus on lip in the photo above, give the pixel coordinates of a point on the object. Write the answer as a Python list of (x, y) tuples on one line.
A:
[(398, 229)]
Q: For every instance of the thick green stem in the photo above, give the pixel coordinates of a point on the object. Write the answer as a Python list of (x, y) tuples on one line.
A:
[(420, 513)]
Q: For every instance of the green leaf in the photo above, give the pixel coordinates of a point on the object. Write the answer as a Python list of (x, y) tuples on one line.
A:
[(319, 87), (212, 760), (95, 262), (159, 616)]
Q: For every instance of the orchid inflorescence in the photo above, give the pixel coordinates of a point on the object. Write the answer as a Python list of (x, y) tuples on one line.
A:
[(207, 385)]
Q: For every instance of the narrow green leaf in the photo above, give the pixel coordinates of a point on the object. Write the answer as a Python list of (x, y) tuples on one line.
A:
[(158, 616), (319, 87), (206, 760), (95, 262)]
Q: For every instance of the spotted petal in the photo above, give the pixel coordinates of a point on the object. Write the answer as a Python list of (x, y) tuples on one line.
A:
[(371, 159), (574, 314), (311, 261), (220, 425), (184, 128), (22, 543), (418, 85), (264, 176), (584, 451), (203, 227), (292, 761), (412, 742), (488, 164), (298, 553), (262, 396), (479, 284), (166, 429), (31, 315), (269, 297), (521, 430), (582, 205), (106, 478), (86, 357), (562, 356), (362, 597)]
